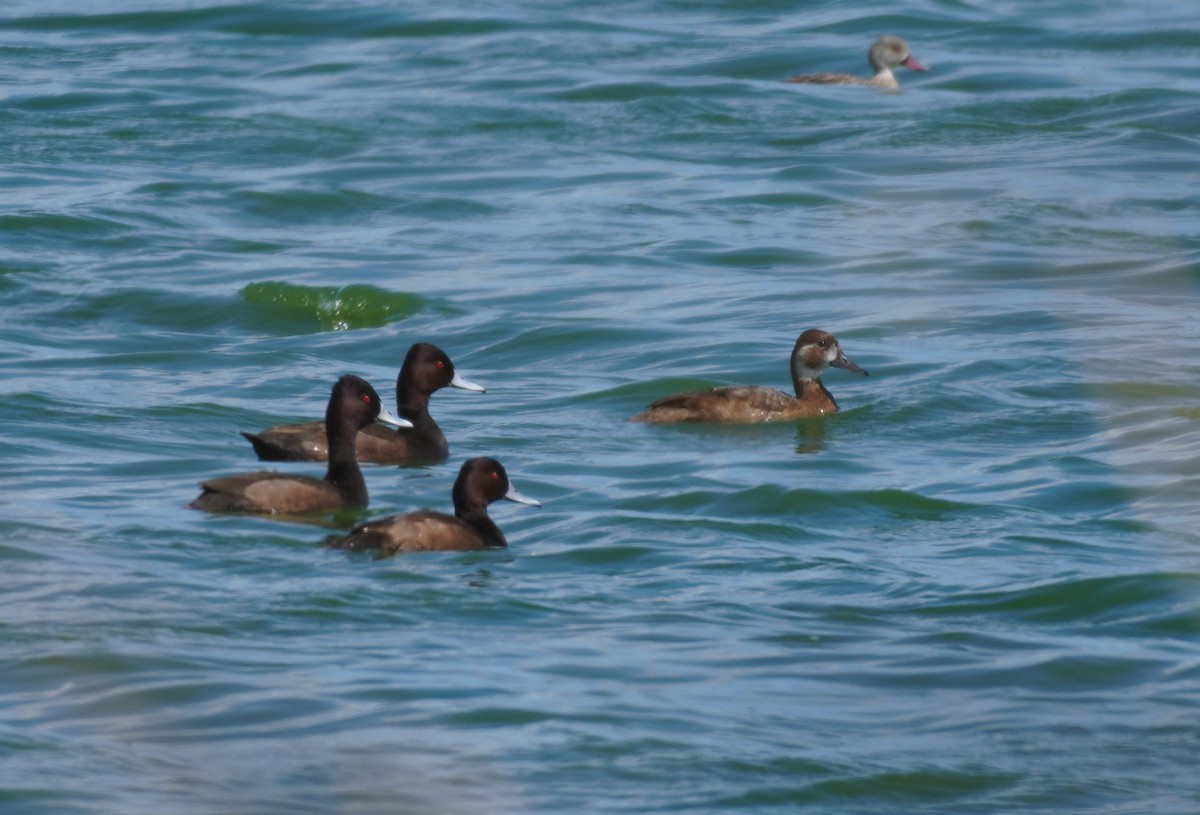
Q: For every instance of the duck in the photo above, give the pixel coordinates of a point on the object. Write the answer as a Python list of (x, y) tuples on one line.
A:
[(426, 369), (353, 404), (480, 482), (815, 350), (887, 53)]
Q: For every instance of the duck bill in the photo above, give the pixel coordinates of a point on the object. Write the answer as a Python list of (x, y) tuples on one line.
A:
[(513, 495), (846, 364), (387, 417), (912, 65), (466, 384)]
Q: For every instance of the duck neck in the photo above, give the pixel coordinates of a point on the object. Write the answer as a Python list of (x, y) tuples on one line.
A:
[(343, 472), (414, 405), (473, 512), (484, 525), (884, 78), (814, 390)]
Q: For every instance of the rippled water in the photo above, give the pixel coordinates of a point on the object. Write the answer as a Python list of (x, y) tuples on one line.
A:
[(973, 590)]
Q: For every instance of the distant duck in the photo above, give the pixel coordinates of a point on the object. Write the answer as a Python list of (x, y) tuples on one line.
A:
[(886, 54), (353, 404), (426, 369), (480, 482), (815, 350)]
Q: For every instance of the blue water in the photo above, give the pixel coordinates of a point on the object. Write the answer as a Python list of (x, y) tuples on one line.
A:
[(976, 589)]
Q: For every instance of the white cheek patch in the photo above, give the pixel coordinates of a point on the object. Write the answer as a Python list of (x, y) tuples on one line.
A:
[(813, 360)]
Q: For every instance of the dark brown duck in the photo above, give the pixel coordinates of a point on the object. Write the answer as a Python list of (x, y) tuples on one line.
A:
[(480, 482), (426, 369), (353, 404)]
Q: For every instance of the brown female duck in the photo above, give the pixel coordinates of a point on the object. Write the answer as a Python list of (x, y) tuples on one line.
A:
[(815, 350)]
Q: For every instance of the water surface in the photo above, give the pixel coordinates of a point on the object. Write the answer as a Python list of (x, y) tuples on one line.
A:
[(972, 590)]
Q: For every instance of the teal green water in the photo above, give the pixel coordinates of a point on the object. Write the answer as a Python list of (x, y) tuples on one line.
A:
[(974, 590)]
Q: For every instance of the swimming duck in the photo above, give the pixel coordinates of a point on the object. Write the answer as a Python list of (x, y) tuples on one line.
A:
[(815, 351), (888, 52), (480, 482), (426, 369), (353, 404)]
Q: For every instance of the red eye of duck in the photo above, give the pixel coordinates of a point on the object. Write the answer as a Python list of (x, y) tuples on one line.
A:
[(366, 397), (441, 364)]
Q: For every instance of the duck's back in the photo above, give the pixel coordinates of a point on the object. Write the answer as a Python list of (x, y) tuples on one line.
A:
[(830, 78), (291, 442), (267, 491), (423, 530), (741, 404), (375, 443)]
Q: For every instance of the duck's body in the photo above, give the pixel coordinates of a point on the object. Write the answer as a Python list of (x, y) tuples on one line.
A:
[(740, 404), (424, 530), (426, 369), (815, 350), (480, 482), (274, 492), (886, 54), (353, 404), (373, 444)]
